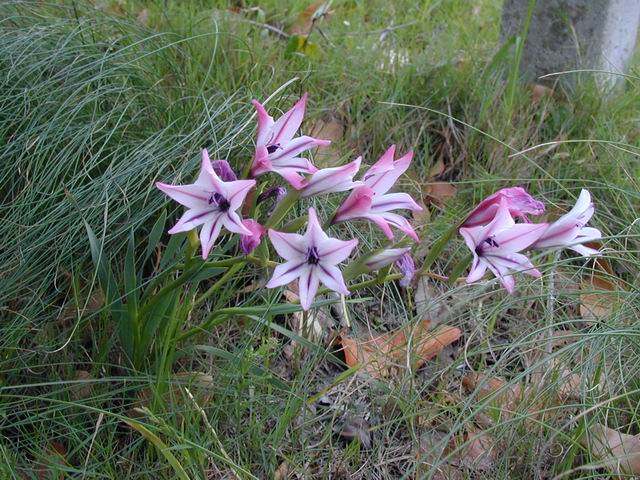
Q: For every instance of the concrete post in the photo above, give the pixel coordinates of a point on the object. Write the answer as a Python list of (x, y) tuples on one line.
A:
[(573, 34)]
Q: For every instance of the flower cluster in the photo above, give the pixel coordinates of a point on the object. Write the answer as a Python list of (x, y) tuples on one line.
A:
[(496, 240), (497, 231), (217, 196)]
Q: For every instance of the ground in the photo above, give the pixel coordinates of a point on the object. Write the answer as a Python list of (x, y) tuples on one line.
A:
[(98, 100)]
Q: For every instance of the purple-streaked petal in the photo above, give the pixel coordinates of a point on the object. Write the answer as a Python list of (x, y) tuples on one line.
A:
[(472, 236), (290, 246), (383, 165), (380, 180), (385, 257), (208, 235), (265, 124), (393, 201), (298, 164), (357, 204), (515, 262), (502, 220), (287, 273), (295, 147), (315, 236), (331, 277), (191, 196), (407, 267), (518, 237), (333, 251), (237, 191), (288, 124), (585, 251), (308, 287), (502, 274), (400, 223), (478, 269), (233, 223), (336, 179), (292, 176), (224, 170), (560, 232), (261, 162), (193, 218), (519, 203), (381, 223)]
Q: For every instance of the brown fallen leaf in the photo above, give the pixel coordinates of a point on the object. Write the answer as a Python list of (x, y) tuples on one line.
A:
[(539, 93), (439, 192), (330, 127), (478, 450), (437, 169), (618, 452), (282, 473), (507, 396), (598, 297), (304, 22), (56, 456), (385, 354), (82, 390)]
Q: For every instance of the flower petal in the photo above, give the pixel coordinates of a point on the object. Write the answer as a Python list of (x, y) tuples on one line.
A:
[(261, 162), (380, 178), (400, 223), (289, 246), (503, 275), (381, 223), (233, 223), (288, 124), (333, 251), (237, 192), (295, 147), (331, 277), (298, 164), (308, 287), (478, 269), (393, 201), (585, 251), (287, 273), (518, 237), (209, 234), (193, 218), (385, 257), (192, 196), (336, 179), (357, 204), (315, 236), (265, 124), (515, 262)]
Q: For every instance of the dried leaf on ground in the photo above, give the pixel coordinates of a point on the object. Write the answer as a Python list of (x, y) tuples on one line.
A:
[(282, 473), (598, 298), (477, 450), (83, 388), (314, 12), (331, 127), (540, 92), (56, 456), (618, 452), (439, 192), (383, 355)]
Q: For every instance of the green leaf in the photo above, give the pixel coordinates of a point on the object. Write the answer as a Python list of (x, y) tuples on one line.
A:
[(162, 447), (155, 235)]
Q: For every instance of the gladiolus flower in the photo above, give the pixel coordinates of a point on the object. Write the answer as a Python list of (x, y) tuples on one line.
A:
[(248, 243), (407, 267), (276, 148), (570, 230), (519, 203), (224, 170), (495, 246), (311, 258), (277, 193), (211, 203), (329, 180), (385, 257), (372, 202)]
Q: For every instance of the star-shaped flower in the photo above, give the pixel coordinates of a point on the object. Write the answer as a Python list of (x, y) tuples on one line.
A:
[(495, 246), (211, 203), (312, 258), (276, 148)]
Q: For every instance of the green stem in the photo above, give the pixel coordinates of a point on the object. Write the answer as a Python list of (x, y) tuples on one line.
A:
[(460, 267), (227, 275), (438, 247), (182, 279), (282, 208)]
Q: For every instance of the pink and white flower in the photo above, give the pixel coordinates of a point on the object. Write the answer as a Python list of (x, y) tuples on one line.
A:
[(276, 148), (211, 203), (385, 257), (372, 202), (519, 203), (330, 180), (311, 258), (495, 246), (570, 230)]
